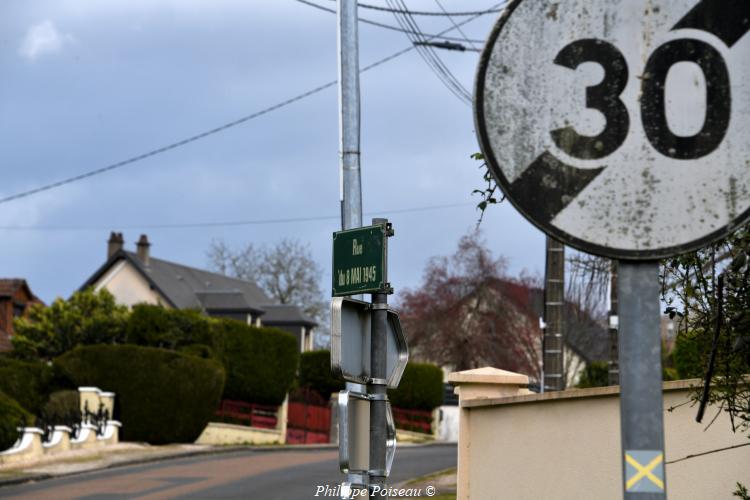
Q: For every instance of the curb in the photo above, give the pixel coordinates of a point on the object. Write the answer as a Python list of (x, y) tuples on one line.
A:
[(189, 454), (29, 478)]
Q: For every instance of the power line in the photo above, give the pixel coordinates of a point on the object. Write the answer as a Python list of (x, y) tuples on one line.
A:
[(386, 26), (450, 18), (491, 10), (221, 128), (426, 52), (251, 222), (193, 138)]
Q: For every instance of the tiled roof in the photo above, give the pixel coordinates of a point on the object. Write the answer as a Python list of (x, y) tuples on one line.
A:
[(186, 287), (182, 284), (285, 314), (10, 286)]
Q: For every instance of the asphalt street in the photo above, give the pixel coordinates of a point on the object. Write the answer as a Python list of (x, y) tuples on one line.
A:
[(253, 474)]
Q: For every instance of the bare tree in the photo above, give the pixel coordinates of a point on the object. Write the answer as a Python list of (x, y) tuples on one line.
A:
[(585, 329), (467, 314), (286, 271)]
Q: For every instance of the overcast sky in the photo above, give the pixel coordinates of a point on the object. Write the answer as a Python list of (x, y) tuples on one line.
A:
[(87, 83)]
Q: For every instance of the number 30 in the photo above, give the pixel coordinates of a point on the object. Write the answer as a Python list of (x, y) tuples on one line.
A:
[(605, 97)]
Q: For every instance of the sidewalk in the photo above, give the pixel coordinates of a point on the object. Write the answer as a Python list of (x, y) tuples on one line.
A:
[(119, 455)]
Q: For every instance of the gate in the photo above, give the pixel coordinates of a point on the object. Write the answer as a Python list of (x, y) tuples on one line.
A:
[(243, 413), (308, 418)]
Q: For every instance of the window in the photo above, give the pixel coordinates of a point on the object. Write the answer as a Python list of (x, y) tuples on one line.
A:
[(18, 309)]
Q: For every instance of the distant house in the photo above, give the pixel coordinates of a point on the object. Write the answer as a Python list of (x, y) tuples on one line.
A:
[(586, 339), (518, 346), (136, 277), (15, 300)]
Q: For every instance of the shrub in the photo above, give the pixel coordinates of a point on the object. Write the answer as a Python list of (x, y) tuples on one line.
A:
[(86, 318), (155, 326), (198, 350), (688, 353), (421, 388), (162, 396), (260, 363), (11, 417), (62, 408), (315, 373), (28, 383), (596, 374)]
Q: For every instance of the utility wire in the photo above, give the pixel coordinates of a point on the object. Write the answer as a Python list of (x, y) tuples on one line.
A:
[(383, 25), (221, 128), (193, 138), (427, 53), (251, 222), (491, 10), (442, 68), (450, 18)]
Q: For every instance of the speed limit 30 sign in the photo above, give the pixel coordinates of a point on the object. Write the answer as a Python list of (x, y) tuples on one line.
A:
[(621, 127)]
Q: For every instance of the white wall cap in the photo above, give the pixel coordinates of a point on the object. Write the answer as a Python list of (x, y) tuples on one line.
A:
[(89, 389), (488, 375), (32, 430)]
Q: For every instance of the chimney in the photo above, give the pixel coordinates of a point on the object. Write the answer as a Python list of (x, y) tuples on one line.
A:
[(114, 244), (143, 252)]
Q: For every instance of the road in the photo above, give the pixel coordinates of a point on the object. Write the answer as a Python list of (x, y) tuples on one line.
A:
[(263, 475)]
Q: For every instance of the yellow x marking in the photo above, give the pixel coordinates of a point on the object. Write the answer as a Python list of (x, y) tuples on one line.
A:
[(644, 471)]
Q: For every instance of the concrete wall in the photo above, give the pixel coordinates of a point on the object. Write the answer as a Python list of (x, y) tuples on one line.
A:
[(218, 433), (566, 445)]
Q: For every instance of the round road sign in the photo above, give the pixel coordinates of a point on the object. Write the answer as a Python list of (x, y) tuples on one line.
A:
[(621, 127)]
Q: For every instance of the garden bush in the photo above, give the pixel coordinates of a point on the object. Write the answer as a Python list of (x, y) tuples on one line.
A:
[(315, 373), (421, 388), (595, 374), (28, 383), (86, 318), (62, 408), (161, 396), (687, 354), (11, 417), (260, 363), (155, 326)]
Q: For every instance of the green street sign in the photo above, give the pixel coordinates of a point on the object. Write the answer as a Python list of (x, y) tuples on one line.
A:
[(359, 260)]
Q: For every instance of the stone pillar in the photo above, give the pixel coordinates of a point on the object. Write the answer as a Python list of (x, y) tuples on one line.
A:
[(481, 383), (108, 400), (281, 419), (89, 396)]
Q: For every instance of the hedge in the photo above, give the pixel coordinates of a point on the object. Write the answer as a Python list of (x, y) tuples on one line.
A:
[(63, 408), (421, 388), (28, 383), (260, 363), (596, 374), (11, 416), (315, 373), (155, 326), (688, 353), (161, 396)]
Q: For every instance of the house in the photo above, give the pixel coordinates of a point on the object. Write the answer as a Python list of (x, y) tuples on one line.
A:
[(499, 325), (136, 277), (586, 338), (15, 300)]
